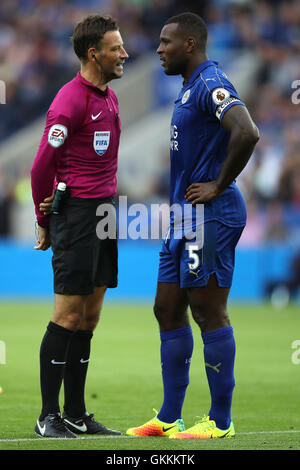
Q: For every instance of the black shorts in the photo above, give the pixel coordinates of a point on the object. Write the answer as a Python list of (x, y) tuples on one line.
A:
[(81, 261)]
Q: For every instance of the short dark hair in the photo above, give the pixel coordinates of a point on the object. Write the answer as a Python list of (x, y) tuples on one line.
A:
[(89, 32), (191, 24)]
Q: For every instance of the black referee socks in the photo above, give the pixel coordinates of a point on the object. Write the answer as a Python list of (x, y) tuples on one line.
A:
[(53, 354), (78, 357)]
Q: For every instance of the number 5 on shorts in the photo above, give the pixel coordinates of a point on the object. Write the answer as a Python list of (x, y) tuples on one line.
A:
[(194, 256)]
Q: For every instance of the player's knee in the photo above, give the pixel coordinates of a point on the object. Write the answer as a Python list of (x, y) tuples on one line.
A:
[(210, 319), (170, 318), (200, 316), (89, 322), (70, 320), (93, 307), (159, 311), (164, 316)]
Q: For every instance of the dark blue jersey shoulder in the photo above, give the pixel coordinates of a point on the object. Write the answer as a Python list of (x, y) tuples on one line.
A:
[(215, 93)]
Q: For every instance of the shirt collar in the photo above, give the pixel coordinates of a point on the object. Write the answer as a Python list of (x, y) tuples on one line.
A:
[(87, 83), (198, 70)]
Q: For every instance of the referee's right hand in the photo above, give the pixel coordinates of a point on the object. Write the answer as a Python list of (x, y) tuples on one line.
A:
[(43, 242)]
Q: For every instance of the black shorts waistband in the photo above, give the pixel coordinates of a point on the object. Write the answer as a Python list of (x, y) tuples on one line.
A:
[(94, 199), (89, 202)]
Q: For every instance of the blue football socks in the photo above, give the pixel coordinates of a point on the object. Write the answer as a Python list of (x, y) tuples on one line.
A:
[(219, 355), (176, 352)]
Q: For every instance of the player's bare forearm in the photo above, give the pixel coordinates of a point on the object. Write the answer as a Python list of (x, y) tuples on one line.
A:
[(243, 138)]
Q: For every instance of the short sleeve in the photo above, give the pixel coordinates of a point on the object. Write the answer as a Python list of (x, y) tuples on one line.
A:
[(217, 94)]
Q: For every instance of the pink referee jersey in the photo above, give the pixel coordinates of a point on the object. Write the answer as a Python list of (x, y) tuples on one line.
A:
[(79, 145)]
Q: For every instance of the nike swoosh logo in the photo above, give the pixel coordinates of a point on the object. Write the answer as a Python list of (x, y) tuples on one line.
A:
[(55, 362), (83, 361), (225, 434), (81, 428), (41, 429), (167, 429), (95, 117)]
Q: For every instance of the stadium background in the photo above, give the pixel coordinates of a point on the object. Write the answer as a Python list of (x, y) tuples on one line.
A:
[(255, 42)]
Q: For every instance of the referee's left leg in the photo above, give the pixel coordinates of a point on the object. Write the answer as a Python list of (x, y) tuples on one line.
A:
[(78, 354)]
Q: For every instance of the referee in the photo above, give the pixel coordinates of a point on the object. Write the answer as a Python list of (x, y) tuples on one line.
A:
[(79, 148)]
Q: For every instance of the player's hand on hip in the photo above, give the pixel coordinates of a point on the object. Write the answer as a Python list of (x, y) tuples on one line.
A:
[(197, 193), (43, 242), (46, 205)]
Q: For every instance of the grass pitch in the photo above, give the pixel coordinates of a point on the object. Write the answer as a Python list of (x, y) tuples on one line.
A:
[(124, 381)]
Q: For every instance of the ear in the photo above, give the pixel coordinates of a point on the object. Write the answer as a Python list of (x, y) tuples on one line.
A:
[(91, 52), (189, 44)]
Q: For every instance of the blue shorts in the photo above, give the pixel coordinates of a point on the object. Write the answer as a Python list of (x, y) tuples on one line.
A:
[(191, 263)]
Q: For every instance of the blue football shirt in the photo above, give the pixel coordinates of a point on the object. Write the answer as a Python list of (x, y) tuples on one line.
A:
[(199, 142)]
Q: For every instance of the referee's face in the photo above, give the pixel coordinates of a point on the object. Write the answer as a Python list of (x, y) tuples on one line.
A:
[(171, 50), (112, 55)]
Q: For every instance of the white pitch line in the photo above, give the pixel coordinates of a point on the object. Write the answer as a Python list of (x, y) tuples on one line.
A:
[(269, 432), (37, 439), (44, 439)]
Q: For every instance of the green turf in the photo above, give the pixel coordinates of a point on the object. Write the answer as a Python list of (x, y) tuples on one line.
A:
[(124, 381)]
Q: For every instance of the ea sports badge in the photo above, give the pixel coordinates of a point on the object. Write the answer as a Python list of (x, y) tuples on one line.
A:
[(57, 135), (101, 141), (219, 95), (186, 96)]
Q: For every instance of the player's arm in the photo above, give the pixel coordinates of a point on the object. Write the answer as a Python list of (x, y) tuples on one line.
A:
[(243, 138)]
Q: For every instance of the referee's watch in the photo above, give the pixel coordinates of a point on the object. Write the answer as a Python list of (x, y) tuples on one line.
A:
[(40, 225)]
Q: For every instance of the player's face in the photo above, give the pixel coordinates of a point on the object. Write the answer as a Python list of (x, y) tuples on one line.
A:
[(171, 50), (112, 55)]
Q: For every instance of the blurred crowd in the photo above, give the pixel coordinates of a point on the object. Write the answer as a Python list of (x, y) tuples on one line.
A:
[(36, 58)]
